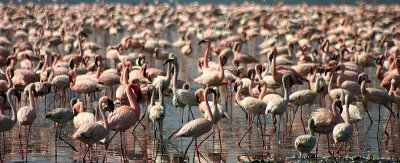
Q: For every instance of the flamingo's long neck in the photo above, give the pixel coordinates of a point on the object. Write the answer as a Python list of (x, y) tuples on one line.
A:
[(273, 68), (251, 85), (286, 89), (221, 70), (317, 85), (330, 85), (98, 72), (81, 107), (72, 84), (210, 117), (169, 73), (125, 76), (237, 96), (8, 75), (160, 96), (379, 73), (102, 100), (263, 92), (347, 119), (14, 111), (206, 56), (339, 80), (174, 85), (80, 45), (132, 100), (153, 96), (31, 99), (363, 88), (45, 63), (312, 131), (334, 111)]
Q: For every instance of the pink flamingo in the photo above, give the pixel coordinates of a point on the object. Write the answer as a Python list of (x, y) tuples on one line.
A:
[(93, 132), (126, 116), (325, 120), (83, 86), (198, 127), (22, 77), (108, 79), (80, 116), (212, 77), (79, 56), (26, 115)]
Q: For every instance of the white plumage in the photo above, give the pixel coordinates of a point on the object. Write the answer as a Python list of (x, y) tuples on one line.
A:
[(306, 143)]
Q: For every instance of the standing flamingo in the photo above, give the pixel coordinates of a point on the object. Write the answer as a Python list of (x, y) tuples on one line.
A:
[(26, 115), (251, 104), (278, 106), (303, 97), (198, 127), (342, 132), (7, 123), (379, 97), (355, 117), (93, 132), (157, 110), (306, 143), (61, 116), (325, 120), (126, 116), (182, 97)]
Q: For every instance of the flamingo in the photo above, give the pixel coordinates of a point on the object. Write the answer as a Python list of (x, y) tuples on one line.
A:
[(278, 106), (378, 97), (164, 79), (81, 117), (306, 143), (355, 117), (182, 97), (211, 77), (252, 105), (157, 110), (26, 115), (126, 116), (22, 77), (93, 132), (342, 132), (198, 127), (7, 122), (61, 116), (83, 86), (59, 82), (278, 72), (216, 109), (108, 79), (325, 120), (303, 97)]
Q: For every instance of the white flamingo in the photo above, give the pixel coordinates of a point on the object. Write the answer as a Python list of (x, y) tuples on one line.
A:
[(342, 132)]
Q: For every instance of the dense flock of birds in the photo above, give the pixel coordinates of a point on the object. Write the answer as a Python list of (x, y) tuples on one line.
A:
[(50, 51)]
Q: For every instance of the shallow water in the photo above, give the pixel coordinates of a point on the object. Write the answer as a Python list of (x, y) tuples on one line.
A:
[(42, 144)]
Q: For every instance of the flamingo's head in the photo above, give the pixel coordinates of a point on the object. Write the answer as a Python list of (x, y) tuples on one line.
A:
[(199, 95), (223, 59)]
